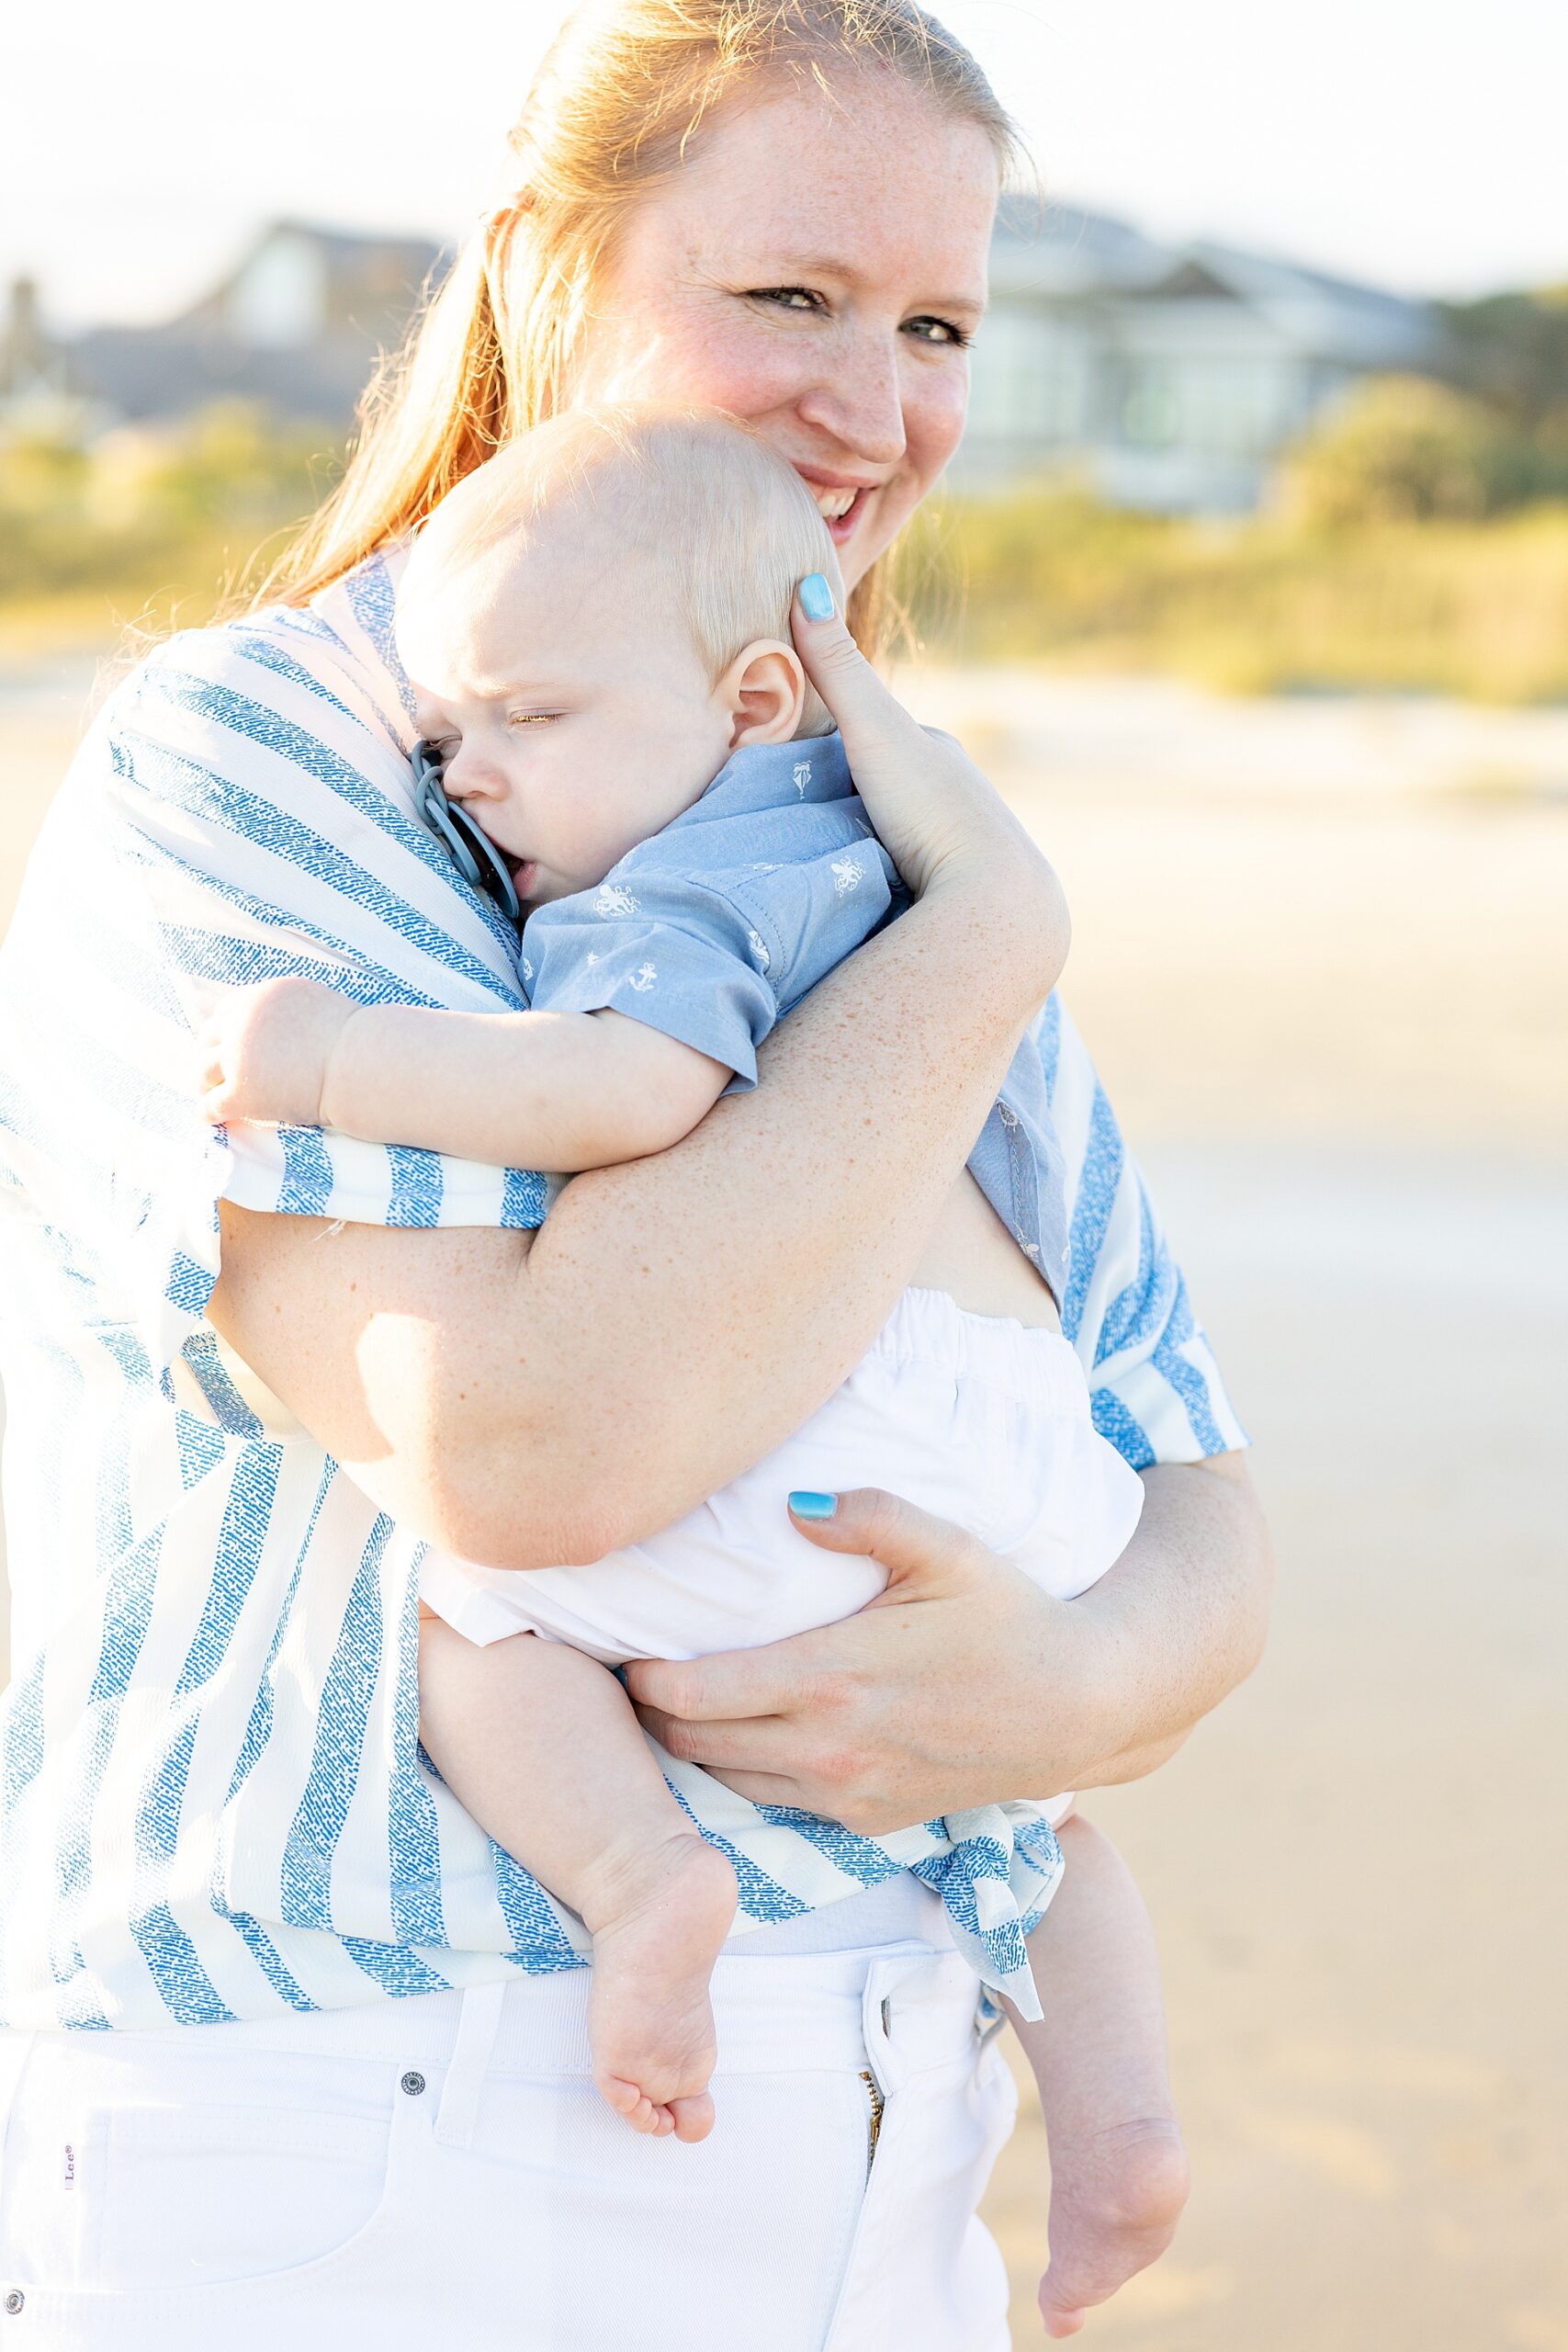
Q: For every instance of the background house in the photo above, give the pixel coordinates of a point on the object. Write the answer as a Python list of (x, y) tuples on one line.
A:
[(1169, 377), (296, 325)]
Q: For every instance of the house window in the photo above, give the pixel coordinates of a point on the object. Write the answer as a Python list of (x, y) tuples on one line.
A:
[(279, 302), (1024, 382), (1151, 407), (1239, 406)]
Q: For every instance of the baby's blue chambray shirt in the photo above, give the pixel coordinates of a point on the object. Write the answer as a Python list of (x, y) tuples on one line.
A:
[(713, 929)]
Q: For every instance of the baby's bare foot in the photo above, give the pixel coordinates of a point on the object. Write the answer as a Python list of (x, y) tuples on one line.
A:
[(659, 1922), (1116, 2198)]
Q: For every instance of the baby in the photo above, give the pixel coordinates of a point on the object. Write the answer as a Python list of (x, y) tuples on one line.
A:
[(596, 625)]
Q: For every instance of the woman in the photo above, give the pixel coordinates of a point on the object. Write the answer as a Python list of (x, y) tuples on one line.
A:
[(338, 2075)]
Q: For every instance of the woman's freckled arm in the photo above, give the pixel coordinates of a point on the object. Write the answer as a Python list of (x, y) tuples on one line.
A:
[(493, 1389)]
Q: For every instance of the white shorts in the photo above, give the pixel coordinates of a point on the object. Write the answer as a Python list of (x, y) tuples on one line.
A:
[(440, 2171), (973, 1418)]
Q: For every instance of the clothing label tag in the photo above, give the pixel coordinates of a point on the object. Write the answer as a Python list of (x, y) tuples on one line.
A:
[(68, 2168)]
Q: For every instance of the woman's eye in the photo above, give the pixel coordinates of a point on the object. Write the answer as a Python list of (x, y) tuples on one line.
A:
[(790, 298), (940, 331)]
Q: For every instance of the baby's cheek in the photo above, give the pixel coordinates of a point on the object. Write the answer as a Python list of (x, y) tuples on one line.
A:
[(605, 843), (586, 848)]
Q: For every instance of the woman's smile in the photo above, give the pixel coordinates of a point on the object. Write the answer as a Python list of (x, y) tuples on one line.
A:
[(842, 505)]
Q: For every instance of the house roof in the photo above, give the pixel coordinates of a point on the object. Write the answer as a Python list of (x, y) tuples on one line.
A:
[(1043, 245), (348, 256), (1061, 251), (165, 371), (1320, 312)]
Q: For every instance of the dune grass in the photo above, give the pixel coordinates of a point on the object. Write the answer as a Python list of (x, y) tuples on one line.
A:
[(1475, 609)]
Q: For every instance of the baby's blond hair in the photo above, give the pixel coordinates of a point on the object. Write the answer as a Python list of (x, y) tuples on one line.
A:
[(730, 526)]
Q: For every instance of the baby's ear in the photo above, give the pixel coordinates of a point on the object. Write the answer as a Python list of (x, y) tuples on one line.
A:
[(764, 692)]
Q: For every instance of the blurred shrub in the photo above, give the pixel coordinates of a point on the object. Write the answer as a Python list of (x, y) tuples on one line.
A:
[(1512, 350), (1477, 608), (148, 517), (1402, 448), (1398, 450)]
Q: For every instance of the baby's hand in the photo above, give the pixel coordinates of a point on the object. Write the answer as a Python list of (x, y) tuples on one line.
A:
[(263, 1052)]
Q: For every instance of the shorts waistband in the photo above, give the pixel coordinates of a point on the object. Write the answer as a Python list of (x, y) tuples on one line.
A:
[(928, 1328), (784, 2014)]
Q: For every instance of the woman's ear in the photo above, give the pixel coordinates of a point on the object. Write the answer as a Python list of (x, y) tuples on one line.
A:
[(764, 692)]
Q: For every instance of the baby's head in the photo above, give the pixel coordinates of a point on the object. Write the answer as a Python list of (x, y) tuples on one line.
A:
[(595, 620)]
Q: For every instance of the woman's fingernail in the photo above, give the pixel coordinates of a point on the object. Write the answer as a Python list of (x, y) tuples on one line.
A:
[(816, 603), (809, 1506)]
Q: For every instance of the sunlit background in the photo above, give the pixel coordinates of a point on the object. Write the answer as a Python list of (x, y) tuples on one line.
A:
[(1250, 586)]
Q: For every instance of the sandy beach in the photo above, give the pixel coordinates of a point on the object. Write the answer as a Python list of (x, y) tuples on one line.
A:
[(1320, 954)]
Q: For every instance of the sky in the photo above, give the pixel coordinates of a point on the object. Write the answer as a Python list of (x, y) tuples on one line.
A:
[(1414, 144)]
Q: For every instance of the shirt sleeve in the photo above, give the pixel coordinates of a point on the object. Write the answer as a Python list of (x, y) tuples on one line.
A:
[(1155, 1386), (666, 950), (714, 960), (241, 809)]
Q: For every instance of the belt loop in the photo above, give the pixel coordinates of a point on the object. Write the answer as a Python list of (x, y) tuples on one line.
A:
[(477, 2022), (15, 2048), (882, 1979)]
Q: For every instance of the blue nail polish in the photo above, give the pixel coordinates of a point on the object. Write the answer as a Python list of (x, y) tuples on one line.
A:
[(815, 602), (809, 1506)]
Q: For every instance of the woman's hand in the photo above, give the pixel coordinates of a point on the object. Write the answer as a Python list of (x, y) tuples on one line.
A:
[(963, 1683), (898, 1713), (938, 817)]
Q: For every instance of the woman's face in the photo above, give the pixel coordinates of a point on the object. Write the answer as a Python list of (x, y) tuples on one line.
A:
[(817, 268)]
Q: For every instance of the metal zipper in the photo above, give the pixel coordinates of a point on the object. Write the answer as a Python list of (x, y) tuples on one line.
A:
[(873, 2129)]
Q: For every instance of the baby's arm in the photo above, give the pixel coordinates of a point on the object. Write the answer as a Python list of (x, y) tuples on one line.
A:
[(1118, 2170), (560, 1091)]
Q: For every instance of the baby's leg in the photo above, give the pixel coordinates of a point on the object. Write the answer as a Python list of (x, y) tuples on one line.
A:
[(1118, 2169), (541, 1744)]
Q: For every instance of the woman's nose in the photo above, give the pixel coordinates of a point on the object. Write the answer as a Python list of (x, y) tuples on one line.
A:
[(860, 403)]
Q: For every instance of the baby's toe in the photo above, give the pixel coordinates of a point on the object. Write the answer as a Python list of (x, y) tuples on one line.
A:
[(692, 2117), (1061, 2318), (635, 2107)]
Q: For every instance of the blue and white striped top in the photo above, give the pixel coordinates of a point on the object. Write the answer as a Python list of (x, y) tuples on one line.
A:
[(211, 1800)]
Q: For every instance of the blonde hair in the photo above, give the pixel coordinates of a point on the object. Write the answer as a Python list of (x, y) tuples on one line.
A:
[(728, 528), (612, 110)]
